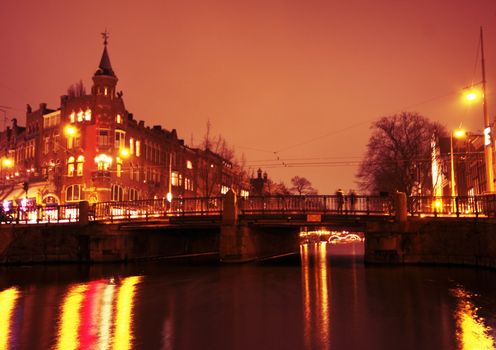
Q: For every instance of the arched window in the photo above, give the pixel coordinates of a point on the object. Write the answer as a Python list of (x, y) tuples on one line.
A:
[(117, 193), (73, 193), (133, 194), (70, 166), (80, 166)]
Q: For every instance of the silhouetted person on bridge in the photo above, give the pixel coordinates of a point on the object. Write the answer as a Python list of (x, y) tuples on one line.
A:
[(340, 200)]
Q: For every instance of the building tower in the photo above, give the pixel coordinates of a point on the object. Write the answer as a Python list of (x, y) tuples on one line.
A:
[(104, 79)]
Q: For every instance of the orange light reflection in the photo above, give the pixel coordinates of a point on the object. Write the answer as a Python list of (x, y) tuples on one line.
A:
[(123, 335), (324, 296), (70, 319), (472, 333), (106, 317), (8, 299)]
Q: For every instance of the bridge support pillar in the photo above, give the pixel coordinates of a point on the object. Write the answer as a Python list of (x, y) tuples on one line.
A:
[(236, 241), (84, 209), (400, 207)]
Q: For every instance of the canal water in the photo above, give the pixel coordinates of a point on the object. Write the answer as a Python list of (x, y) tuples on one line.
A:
[(328, 300)]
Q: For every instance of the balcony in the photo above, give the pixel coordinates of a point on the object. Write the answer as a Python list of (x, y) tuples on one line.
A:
[(101, 175)]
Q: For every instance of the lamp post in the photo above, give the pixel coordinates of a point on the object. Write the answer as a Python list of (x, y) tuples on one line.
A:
[(488, 142)]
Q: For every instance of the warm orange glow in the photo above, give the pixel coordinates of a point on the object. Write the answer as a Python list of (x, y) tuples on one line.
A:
[(124, 152), (7, 162), (8, 300), (437, 204), (459, 133), (70, 318), (123, 335), (323, 306), (70, 131), (472, 333), (104, 161), (472, 94), (307, 307), (106, 317)]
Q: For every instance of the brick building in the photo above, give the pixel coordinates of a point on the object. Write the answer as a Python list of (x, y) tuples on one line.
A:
[(91, 148)]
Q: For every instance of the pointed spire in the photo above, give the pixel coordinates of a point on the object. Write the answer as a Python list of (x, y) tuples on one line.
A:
[(105, 68)]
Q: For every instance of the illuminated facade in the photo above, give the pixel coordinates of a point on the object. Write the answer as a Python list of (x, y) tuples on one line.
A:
[(92, 148), (468, 165)]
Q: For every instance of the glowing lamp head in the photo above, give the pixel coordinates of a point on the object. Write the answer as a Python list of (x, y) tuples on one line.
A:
[(124, 152), (70, 131), (459, 133), (169, 197), (7, 163), (472, 94)]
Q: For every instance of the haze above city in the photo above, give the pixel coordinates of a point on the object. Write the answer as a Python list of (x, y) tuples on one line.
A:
[(292, 85)]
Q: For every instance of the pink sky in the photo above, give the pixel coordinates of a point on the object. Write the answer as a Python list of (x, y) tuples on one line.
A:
[(301, 78)]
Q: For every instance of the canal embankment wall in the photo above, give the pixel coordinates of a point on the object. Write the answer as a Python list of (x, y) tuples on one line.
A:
[(98, 242), (431, 240)]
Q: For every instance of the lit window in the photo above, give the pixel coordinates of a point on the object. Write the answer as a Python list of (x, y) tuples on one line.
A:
[(118, 119), (73, 193), (118, 162), (80, 116), (72, 117), (180, 180), (70, 166), (131, 146), (105, 91), (224, 189), (138, 148), (189, 164), (175, 178), (79, 166), (87, 115)]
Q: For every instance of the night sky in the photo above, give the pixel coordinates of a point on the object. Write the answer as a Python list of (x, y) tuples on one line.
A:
[(299, 81)]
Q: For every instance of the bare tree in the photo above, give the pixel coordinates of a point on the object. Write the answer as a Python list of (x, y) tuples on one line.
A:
[(76, 90), (302, 186), (398, 156)]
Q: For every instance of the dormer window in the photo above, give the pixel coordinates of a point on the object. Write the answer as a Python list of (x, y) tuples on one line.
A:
[(118, 119)]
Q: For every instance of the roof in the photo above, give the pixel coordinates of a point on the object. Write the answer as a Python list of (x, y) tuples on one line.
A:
[(105, 68)]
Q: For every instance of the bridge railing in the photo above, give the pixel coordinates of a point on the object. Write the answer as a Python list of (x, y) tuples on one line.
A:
[(157, 208), (319, 204), (42, 214), (484, 205)]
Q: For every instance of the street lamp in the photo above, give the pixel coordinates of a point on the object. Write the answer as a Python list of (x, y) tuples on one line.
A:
[(472, 95), (457, 134)]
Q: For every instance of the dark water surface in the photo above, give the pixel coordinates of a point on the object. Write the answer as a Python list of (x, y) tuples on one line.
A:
[(329, 301)]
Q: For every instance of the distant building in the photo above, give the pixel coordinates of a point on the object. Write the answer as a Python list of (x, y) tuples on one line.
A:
[(468, 164), (258, 185), (91, 148)]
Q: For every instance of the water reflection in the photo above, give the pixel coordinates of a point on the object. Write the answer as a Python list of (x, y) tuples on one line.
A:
[(472, 333), (125, 301), (315, 295), (87, 315), (8, 299)]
